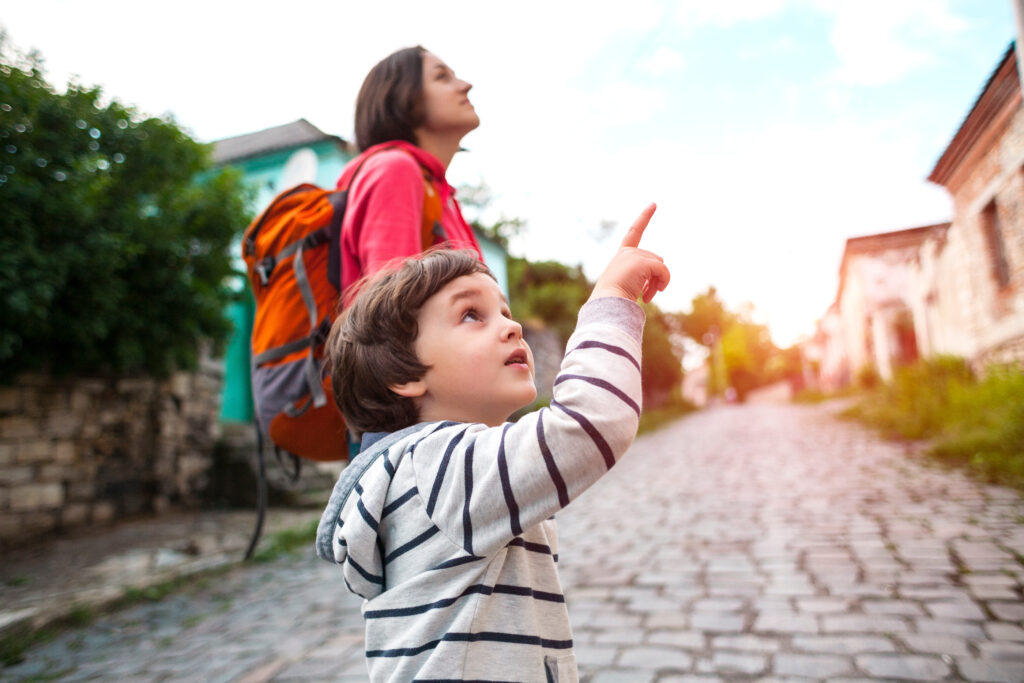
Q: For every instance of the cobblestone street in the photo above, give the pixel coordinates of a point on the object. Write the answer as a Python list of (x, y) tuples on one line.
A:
[(749, 542)]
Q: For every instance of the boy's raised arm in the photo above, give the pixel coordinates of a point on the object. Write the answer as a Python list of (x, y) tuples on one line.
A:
[(496, 482)]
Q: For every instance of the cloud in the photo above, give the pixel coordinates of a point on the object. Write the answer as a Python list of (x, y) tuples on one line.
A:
[(664, 60), (879, 42), (694, 14)]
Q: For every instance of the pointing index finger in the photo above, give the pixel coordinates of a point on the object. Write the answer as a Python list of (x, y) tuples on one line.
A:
[(636, 231)]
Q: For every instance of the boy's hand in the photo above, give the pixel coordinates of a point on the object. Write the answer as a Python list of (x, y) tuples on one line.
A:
[(633, 272)]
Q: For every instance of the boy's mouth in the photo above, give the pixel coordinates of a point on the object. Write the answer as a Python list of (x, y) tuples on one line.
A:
[(517, 358)]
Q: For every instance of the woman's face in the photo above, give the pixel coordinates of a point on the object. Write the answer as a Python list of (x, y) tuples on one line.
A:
[(446, 106)]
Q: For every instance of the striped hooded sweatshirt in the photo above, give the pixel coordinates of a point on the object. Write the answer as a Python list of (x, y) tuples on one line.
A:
[(447, 528)]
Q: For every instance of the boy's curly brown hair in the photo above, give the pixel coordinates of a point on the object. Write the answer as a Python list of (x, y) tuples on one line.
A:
[(371, 344)]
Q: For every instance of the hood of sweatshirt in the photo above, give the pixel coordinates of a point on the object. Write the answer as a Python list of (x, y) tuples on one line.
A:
[(349, 528)]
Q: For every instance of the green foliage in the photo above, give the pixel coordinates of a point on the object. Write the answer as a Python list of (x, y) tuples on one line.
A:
[(287, 542), (747, 349), (917, 403), (707, 319), (671, 409), (662, 369), (113, 232), (867, 377), (742, 355), (976, 423), (547, 291)]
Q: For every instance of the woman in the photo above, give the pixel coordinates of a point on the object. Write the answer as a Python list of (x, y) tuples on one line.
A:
[(411, 115)]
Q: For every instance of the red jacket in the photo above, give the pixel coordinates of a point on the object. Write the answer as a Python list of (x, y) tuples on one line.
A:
[(385, 210)]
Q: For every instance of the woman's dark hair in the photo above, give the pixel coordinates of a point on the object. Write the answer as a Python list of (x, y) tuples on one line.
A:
[(389, 105)]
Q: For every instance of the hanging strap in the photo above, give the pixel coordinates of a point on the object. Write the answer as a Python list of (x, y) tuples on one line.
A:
[(261, 495)]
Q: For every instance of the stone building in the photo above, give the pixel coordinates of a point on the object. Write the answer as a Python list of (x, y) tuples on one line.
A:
[(953, 288), (983, 170), (881, 317)]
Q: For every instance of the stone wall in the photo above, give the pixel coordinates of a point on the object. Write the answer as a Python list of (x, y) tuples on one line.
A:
[(548, 350), (992, 189), (87, 451)]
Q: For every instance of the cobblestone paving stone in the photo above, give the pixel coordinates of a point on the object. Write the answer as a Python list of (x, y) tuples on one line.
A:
[(761, 542)]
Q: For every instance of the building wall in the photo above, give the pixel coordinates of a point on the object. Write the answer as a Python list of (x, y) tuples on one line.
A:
[(993, 311)]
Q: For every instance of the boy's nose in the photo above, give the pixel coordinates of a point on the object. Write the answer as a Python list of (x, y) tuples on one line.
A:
[(513, 330)]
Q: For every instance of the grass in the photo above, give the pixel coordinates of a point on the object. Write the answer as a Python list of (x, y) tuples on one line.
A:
[(812, 396), (969, 422), (287, 542), (654, 418)]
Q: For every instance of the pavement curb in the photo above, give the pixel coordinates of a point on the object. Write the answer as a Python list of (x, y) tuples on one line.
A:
[(39, 589)]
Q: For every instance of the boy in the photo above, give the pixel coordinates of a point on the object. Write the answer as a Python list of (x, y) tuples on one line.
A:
[(443, 522)]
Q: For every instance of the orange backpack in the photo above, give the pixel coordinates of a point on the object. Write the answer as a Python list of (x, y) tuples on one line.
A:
[(292, 253)]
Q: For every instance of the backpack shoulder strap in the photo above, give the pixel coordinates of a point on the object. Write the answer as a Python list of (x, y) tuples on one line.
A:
[(431, 231)]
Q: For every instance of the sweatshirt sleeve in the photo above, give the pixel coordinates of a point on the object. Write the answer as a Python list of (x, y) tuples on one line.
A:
[(485, 485), (386, 210)]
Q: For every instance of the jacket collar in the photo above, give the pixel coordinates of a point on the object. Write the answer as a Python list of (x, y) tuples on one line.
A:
[(425, 158)]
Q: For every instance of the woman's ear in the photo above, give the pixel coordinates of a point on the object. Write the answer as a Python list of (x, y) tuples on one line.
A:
[(413, 389)]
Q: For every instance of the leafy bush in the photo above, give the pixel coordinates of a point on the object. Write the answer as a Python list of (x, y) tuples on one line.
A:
[(867, 377), (977, 423), (986, 427), (113, 232), (916, 403), (548, 291)]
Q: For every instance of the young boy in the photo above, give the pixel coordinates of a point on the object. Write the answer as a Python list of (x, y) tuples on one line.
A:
[(443, 522)]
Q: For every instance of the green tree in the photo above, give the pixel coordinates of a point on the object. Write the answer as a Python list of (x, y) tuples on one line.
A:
[(662, 367), (742, 354), (747, 349), (548, 292), (114, 232), (708, 318)]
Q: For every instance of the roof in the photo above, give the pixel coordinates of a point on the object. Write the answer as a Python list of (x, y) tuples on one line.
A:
[(1002, 86), (289, 136), (891, 240)]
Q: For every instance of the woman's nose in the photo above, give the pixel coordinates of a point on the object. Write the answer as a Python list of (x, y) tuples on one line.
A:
[(465, 86)]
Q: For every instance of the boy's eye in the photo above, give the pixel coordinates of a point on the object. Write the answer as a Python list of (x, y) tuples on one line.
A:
[(471, 315)]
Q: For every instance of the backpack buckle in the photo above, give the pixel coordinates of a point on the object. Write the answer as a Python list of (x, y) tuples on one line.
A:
[(321, 333), (264, 268)]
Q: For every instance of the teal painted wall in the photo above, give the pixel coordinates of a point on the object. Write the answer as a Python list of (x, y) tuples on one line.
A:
[(236, 397), (496, 259)]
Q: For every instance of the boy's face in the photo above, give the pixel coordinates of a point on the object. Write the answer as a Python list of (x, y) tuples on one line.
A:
[(481, 369)]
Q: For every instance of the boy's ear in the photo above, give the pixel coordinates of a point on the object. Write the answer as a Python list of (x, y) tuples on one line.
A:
[(413, 389)]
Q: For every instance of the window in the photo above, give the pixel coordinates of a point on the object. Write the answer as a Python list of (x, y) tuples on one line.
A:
[(996, 247)]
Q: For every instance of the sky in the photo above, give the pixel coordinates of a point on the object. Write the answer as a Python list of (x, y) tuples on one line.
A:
[(768, 131)]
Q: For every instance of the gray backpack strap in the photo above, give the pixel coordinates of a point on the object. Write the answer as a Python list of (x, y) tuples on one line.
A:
[(347, 482)]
